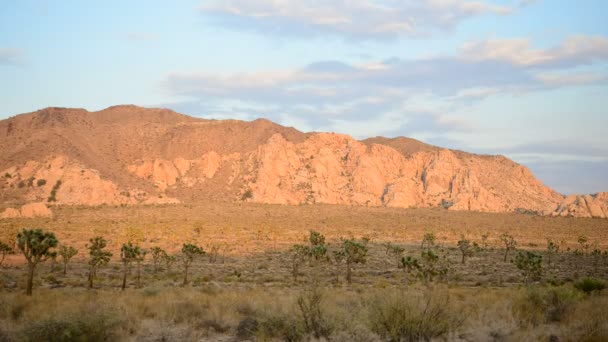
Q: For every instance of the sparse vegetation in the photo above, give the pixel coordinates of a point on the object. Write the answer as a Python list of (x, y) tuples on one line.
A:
[(252, 294), (40, 182)]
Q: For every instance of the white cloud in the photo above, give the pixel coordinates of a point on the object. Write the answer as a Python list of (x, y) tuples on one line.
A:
[(573, 51), (351, 18), (11, 56)]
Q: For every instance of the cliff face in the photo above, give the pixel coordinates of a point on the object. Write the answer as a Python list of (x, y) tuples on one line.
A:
[(129, 155)]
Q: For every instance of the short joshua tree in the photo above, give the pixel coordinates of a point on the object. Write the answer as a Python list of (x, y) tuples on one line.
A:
[(466, 249), (509, 242), (355, 252), (128, 254), (4, 251), (66, 253), (36, 246), (530, 264), (299, 255), (158, 255), (98, 257), (189, 253)]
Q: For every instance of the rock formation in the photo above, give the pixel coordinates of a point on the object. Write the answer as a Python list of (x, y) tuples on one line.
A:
[(127, 155)]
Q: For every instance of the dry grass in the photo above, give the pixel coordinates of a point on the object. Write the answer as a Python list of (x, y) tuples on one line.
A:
[(249, 291)]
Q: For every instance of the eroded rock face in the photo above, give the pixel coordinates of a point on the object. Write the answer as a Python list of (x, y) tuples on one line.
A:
[(9, 213), (336, 169), (595, 206), (76, 157), (59, 180), (30, 210)]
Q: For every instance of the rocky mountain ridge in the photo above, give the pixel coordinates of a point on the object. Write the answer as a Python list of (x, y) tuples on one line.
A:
[(128, 155)]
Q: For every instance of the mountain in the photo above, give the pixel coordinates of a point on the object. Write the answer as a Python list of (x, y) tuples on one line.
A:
[(128, 155)]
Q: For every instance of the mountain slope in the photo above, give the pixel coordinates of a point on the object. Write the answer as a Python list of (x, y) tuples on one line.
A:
[(134, 155)]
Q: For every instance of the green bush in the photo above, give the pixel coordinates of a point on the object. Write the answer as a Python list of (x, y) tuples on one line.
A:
[(41, 182), (589, 285)]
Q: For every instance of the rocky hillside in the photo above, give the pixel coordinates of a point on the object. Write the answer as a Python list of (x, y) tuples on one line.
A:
[(128, 155)]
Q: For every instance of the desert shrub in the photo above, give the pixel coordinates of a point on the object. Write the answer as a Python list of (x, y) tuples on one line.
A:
[(247, 195), (53, 195), (278, 327), (310, 306), (587, 321), (544, 305), (589, 285), (91, 327), (41, 182), (405, 317), (247, 328)]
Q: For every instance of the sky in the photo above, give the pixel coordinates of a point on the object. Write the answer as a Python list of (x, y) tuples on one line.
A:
[(524, 78)]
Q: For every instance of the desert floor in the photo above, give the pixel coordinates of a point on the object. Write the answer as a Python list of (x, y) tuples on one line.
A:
[(244, 288)]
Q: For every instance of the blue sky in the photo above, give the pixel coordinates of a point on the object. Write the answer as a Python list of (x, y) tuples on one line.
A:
[(524, 78)]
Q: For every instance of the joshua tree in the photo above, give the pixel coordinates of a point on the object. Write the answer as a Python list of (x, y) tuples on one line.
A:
[(36, 247), (169, 261), (138, 261), (409, 265), (584, 245), (509, 243), (465, 248), (318, 249), (158, 254), (66, 253), (4, 251), (428, 268), (128, 254), (530, 264), (98, 256), (189, 253), (484, 241), (355, 252), (428, 241), (552, 249), (299, 254), (395, 252)]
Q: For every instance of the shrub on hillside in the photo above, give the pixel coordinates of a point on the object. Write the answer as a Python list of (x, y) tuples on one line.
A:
[(589, 285)]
